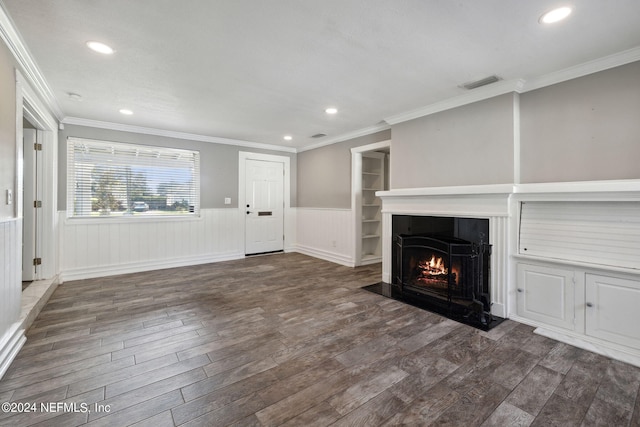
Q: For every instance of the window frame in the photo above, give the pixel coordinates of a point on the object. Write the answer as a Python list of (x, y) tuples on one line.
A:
[(71, 173)]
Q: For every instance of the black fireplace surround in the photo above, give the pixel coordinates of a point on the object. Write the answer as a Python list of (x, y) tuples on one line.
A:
[(443, 265)]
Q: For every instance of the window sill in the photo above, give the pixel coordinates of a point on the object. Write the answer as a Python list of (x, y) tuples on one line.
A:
[(106, 219)]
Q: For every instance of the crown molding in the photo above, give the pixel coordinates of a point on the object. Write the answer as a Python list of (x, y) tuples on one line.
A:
[(173, 134), (26, 63), (474, 95), (521, 85), (586, 68), (346, 136)]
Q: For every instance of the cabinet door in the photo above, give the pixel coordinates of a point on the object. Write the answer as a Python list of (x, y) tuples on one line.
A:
[(612, 311), (546, 295)]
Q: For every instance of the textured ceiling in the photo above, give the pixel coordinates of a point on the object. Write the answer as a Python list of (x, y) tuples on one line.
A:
[(256, 70)]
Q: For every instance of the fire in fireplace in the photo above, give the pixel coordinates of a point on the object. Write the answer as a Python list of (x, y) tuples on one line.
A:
[(434, 273), (449, 273)]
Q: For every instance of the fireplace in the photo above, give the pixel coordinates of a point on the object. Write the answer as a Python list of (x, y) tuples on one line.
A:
[(443, 263)]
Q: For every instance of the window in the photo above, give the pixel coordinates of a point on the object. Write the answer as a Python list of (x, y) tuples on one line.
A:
[(124, 180)]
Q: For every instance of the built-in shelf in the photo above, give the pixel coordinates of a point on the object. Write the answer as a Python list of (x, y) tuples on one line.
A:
[(371, 228), (369, 167)]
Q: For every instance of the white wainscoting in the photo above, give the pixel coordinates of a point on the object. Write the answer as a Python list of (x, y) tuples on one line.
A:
[(96, 248), (326, 234), (11, 334)]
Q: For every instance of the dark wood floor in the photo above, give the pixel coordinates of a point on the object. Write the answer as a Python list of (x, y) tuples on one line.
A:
[(291, 340)]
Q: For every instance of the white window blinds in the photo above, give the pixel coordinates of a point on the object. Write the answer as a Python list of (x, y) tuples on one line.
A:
[(116, 179)]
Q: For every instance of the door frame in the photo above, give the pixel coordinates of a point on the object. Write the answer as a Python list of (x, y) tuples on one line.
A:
[(29, 106), (243, 156), (31, 224)]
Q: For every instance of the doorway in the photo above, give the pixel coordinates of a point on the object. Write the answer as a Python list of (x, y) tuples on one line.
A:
[(41, 180), (264, 201)]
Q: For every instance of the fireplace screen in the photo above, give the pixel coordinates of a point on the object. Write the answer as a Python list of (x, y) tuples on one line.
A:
[(434, 271), (447, 270), (443, 266)]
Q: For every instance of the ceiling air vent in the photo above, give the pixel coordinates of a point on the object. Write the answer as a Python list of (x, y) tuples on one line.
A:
[(481, 82), (319, 135)]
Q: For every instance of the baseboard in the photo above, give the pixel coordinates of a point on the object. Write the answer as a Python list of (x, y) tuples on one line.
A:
[(326, 255), (595, 345), (10, 345), (370, 261), (113, 270)]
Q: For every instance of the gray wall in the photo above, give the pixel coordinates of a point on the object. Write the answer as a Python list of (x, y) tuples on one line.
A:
[(324, 174), (580, 130), (584, 129), (7, 131), (218, 163), (468, 145)]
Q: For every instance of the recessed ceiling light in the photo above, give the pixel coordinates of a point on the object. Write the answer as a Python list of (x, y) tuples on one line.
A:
[(331, 110), (126, 112), (288, 137), (555, 15), (100, 47)]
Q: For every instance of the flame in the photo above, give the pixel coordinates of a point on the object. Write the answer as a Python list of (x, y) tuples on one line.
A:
[(433, 267)]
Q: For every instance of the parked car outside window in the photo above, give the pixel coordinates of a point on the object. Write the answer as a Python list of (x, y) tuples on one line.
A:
[(140, 207)]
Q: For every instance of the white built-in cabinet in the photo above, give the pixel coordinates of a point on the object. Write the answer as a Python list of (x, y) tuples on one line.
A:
[(611, 311), (547, 295), (598, 306), (373, 180), (578, 272)]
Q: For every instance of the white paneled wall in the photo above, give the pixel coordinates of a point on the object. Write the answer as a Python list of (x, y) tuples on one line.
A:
[(94, 248), (326, 233), (11, 336), (499, 279)]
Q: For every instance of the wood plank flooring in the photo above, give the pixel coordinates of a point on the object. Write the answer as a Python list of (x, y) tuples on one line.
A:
[(291, 340)]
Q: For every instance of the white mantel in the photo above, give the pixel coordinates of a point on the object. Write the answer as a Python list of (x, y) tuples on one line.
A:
[(478, 201)]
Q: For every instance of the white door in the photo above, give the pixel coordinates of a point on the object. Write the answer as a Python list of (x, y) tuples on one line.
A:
[(264, 214), (29, 196)]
